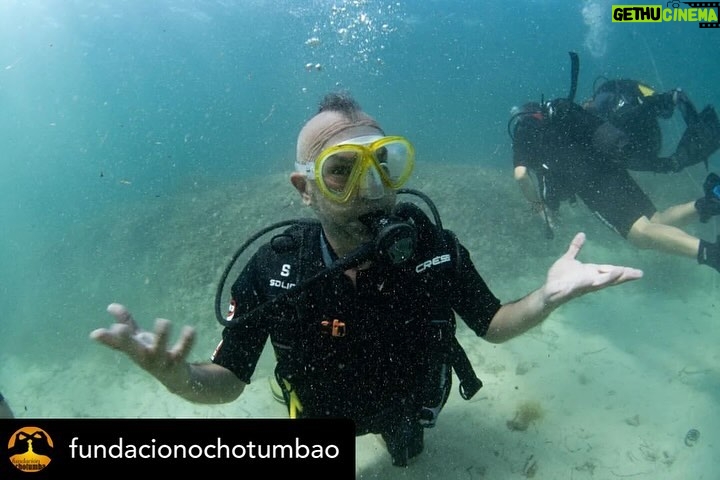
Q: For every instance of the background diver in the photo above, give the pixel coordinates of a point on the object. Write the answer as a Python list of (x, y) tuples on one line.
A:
[(562, 151)]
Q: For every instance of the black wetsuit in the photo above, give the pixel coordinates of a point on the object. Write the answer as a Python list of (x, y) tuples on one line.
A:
[(559, 150), (373, 368)]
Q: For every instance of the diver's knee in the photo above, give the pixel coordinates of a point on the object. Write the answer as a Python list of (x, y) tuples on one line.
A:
[(639, 234)]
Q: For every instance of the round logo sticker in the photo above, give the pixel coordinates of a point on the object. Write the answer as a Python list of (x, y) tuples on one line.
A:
[(30, 449)]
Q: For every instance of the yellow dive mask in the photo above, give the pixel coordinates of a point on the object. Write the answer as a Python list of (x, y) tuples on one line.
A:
[(367, 164)]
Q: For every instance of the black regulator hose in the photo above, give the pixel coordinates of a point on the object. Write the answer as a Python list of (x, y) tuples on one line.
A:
[(396, 232), (428, 202), (223, 277)]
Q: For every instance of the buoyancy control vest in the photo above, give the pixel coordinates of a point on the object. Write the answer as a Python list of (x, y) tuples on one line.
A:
[(383, 347)]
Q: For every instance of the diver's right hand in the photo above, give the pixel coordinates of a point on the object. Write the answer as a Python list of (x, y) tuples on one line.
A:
[(149, 350)]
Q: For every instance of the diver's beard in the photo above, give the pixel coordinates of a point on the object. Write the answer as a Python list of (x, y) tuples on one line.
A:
[(345, 234), (359, 231), (343, 223)]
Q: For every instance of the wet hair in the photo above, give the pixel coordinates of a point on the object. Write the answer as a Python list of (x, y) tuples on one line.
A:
[(338, 112), (341, 102)]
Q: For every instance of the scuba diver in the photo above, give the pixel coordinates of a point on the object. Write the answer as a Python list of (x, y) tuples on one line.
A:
[(360, 304), (556, 158), (631, 133)]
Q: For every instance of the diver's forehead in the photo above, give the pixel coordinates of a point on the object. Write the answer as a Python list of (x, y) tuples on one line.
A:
[(351, 133)]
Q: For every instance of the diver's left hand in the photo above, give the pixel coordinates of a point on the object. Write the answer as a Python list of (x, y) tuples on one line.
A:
[(569, 278)]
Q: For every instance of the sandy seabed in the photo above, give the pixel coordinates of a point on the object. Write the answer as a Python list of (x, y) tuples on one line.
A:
[(608, 387)]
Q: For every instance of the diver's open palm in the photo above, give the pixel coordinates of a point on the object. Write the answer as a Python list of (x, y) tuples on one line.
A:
[(569, 278), (147, 349)]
